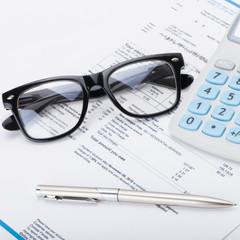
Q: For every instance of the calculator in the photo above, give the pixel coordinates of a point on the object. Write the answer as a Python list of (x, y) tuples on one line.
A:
[(209, 116)]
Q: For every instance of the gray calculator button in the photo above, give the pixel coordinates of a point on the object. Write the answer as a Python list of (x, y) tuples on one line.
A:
[(224, 64), (238, 70)]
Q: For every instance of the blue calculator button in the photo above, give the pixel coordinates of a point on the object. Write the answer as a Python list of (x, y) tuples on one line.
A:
[(235, 83), (217, 77), (213, 129), (190, 122), (230, 98), (233, 135), (237, 121), (222, 113), (207, 91), (199, 106)]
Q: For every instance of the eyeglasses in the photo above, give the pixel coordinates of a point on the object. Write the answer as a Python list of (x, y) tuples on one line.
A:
[(52, 108)]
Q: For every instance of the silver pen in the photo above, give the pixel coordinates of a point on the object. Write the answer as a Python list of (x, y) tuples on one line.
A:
[(118, 195)]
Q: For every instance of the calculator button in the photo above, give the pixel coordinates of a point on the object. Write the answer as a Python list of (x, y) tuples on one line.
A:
[(224, 64), (230, 98), (207, 91), (237, 121), (190, 122), (213, 129), (198, 106), (233, 135), (238, 70), (235, 83), (217, 77), (222, 113)]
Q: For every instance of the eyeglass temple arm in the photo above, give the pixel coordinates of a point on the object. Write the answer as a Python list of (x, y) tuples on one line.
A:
[(153, 77), (167, 78), (40, 100), (186, 81), (11, 124)]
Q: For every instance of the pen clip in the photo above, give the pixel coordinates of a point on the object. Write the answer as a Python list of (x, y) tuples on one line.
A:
[(71, 199)]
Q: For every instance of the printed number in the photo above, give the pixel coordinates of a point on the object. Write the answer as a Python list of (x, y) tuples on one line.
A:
[(230, 96), (238, 82), (199, 104), (190, 120), (217, 74), (223, 111), (207, 90), (146, 98)]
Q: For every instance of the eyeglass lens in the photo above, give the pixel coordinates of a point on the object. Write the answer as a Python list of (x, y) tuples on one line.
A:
[(146, 87), (54, 108)]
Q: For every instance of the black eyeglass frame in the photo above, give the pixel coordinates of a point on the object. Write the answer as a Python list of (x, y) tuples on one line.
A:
[(11, 98)]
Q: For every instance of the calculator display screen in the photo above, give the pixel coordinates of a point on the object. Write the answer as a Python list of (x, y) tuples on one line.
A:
[(234, 33)]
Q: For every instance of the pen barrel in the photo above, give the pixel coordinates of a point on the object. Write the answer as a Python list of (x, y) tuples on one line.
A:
[(85, 194), (171, 199)]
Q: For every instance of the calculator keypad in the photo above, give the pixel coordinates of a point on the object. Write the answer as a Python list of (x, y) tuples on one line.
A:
[(199, 107), (222, 113), (208, 92), (190, 122), (235, 83), (237, 121), (217, 77), (234, 135), (224, 64), (214, 129), (221, 119), (230, 98)]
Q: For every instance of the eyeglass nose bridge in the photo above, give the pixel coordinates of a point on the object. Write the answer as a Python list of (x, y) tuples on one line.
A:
[(92, 80), (94, 84)]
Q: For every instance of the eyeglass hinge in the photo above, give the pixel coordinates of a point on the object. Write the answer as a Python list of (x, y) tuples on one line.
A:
[(175, 59)]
